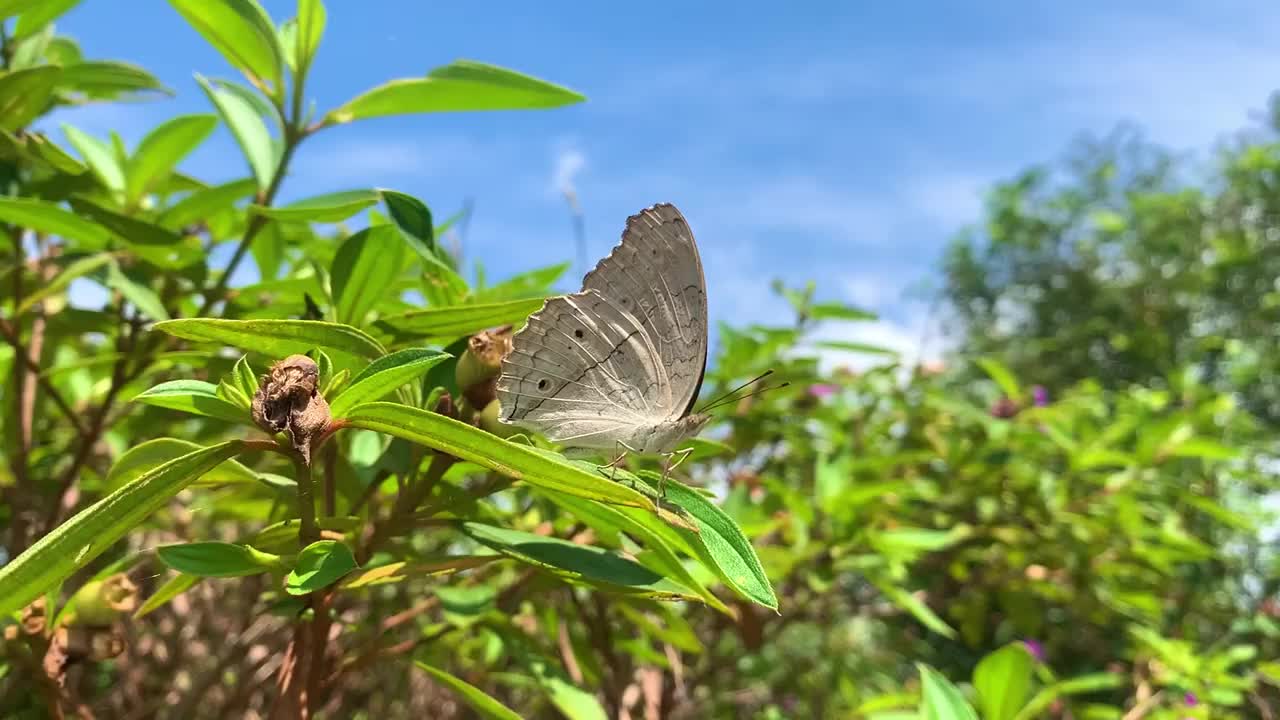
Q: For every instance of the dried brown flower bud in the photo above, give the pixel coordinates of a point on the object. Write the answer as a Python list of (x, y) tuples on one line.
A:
[(478, 368), (288, 399), (101, 602)]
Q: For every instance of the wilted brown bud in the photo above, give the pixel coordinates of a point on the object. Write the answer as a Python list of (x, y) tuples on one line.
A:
[(1004, 408), (34, 617), (478, 369), (288, 399)]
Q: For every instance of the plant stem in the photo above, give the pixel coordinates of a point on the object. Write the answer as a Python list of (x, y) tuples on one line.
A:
[(308, 531), (10, 337)]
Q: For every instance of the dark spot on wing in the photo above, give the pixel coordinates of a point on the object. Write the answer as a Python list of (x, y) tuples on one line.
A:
[(579, 334), (542, 384)]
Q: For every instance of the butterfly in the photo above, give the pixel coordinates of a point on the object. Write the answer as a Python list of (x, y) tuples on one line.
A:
[(619, 363)]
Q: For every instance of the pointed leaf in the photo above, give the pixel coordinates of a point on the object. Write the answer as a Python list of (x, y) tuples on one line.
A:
[(398, 571), (458, 320), (157, 245), (163, 148), (26, 94), (276, 337), (108, 79), (145, 457), (474, 697), (75, 543), (384, 375), (728, 551), (939, 699), (172, 588), (193, 396), (586, 563), (413, 218), (49, 218), (241, 31), (311, 22), (216, 559), (518, 462), (364, 270), (248, 128), (463, 85), (320, 564), (39, 14), (330, 208), (201, 204), (99, 156), (142, 297), (1003, 682), (79, 268)]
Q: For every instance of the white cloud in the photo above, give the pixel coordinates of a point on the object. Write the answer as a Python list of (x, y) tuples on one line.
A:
[(569, 163)]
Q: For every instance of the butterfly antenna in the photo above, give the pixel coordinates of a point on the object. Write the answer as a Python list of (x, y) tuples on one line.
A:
[(720, 398), (761, 391)]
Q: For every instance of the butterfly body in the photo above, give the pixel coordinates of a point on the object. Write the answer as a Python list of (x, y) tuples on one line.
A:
[(619, 363)]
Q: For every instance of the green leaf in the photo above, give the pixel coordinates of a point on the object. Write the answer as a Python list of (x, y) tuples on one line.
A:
[(277, 338), (364, 270), (145, 457), (142, 297), (856, 347), (248, 128), (939, 699), (311, 22), (1002, 377), (727, 550), (319, 564), (172, 588), (99, 156), (50, 219), (664, 559), (839, 311), (79, 268), (915, 606), (463, 85), (458, 320), (241, 381), (585, 563), (9, 8), (193, 396), (108, 79), (201, 204), (1204, 448), (330, 208), (1075, 686), (72, 545), (413, 218), (473, 696), (217, 559), (1003, 682), (157, 245), (400, 571), (384, 375), (163, 148), (241, 31), (46, 151), (39, 14), (26, 94), (518, 462)]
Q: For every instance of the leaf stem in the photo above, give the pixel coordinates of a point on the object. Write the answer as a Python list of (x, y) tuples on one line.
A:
[(308, 531)]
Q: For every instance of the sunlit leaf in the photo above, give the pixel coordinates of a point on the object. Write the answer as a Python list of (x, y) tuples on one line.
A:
[(319, 564), (163, 148), (247, 127), (239, 29), (216, 559), (384, 375), (474, 697), (276, 337), (450, 322), (87, 534), (363, 271), (460, 86), (193, 396)]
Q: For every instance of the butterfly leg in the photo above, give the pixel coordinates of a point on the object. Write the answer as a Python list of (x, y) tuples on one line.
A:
[(673, 461), (621, 455)]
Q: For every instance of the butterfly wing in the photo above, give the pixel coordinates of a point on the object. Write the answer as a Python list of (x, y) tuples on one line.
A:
[(655, 274), (583, 372)]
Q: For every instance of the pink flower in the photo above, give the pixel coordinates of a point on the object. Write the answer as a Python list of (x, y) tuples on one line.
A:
[(1040, 395), (1190, 699), (822, 391), (1035, 648)]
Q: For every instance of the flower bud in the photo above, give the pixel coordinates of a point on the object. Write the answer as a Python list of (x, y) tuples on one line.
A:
[(478, 369), (100, 602), (489, 422), (288, 399)]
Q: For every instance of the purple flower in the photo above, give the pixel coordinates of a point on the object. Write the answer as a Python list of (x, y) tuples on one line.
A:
[(822, 391), (1040, 395), (1035, 648), (1190, 699)]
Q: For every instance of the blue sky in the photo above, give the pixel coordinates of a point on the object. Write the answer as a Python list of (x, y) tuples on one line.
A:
[(834, 141)]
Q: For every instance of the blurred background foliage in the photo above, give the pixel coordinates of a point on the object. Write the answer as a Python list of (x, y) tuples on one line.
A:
[(1072, 516)]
